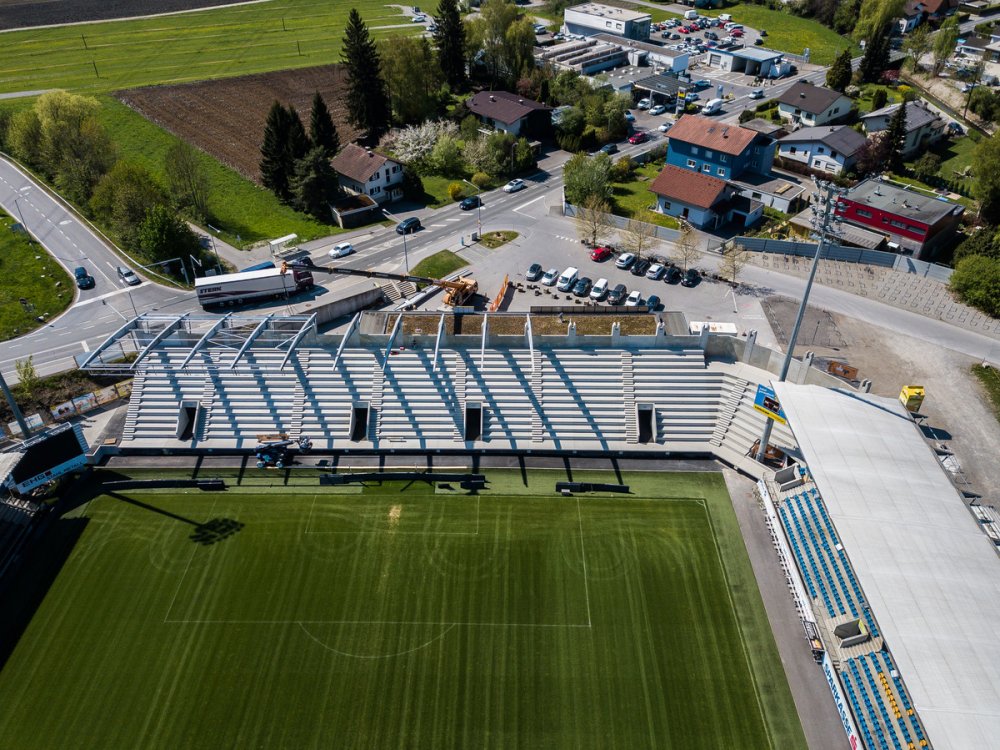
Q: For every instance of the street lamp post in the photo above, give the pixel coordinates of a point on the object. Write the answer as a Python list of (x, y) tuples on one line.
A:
[(406, 257), (822, 223), (20, 215), (479, 208)]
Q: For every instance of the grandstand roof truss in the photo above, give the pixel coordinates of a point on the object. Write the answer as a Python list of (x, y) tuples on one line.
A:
[(124, 350)]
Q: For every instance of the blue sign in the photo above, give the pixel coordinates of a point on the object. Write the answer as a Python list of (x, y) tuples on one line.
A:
[(766, 402)]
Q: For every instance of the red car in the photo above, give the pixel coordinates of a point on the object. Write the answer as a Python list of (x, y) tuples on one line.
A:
[(637, 138), (736, 33), (683, 30), (600, 254)]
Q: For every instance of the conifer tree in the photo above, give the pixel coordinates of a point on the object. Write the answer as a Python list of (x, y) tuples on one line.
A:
[(838, 77), (273, 150), (449, 40), (298, 143), (322, 131), (367, 93), (895, 138)]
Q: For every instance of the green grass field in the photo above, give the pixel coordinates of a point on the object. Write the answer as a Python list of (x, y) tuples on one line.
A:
[(397, 616), (789, 33), (633, 198), (28, 272), (215, 43)]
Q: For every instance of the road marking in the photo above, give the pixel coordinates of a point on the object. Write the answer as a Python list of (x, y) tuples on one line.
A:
[(115, 293), (455, 218), (434, 226), (517, 209), (64, 222), (85, 347)]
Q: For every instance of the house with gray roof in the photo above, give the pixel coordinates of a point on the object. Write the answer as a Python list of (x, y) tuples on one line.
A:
[(811, 105), (923, 125), (828, 148)]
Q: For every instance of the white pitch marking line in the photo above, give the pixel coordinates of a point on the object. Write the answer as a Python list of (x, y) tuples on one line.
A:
[(383, 622), (583, 556)]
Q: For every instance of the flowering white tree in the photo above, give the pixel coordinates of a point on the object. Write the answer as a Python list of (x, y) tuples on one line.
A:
[(416, 142)]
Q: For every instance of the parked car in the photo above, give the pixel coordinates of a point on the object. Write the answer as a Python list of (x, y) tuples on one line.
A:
[(736, 33), (617, 295), (470, 203), (128, 276), (534, 272), (419, 19), (643, 103), (640, 267), (600, 290), (625, 261), (653, 302), (629, 117), (683, 30), (582, 287), (568, 278), (711, 35), (634, 299), (691, 278), (550, 276), (600, 254), (639, 137), (659, 109), (664, 127), (342, 250), (83, 279), (609, 148), (408, 226), (954, 128), (432, 27), (655, 272), (673, 275), (514, 185)]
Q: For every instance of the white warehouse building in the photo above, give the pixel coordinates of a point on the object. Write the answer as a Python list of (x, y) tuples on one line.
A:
[(589, 19)]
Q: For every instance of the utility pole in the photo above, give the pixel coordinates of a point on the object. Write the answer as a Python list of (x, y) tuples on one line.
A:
[(821, 221)]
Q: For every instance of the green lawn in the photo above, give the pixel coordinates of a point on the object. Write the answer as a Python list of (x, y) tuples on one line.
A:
[(789, 33), (956, 157), (236, 206), (864, 102), (633, 198), (215, 43), (397, 616), (28, 272), (439, 265)]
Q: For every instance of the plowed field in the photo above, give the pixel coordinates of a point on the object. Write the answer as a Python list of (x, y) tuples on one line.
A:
[(225, 117)]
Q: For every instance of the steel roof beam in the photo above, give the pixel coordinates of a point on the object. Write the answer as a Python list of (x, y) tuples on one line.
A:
[(129, 326), (392, 339), (437, 344), (309, 325), (204, 339), (167, 330), (249, 342), (347, 335)]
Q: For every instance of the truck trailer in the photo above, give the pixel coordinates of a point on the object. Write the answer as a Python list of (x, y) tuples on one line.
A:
[(247, 286)]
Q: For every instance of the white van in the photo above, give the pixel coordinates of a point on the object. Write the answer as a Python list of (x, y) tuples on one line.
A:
[(690, 15), (712, 107), (568, 279), (730, 26), (725, 17)]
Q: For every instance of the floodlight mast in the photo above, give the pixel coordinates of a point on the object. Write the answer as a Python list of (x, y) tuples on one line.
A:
[(822, 223)]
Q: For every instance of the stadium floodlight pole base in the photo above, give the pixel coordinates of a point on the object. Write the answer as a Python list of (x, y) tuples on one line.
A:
[(832, 194)]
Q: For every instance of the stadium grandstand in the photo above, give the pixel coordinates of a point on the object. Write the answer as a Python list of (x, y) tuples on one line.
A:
[(895, 581)]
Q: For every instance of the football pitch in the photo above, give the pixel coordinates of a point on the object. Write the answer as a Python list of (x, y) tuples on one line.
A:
[(398, 615)]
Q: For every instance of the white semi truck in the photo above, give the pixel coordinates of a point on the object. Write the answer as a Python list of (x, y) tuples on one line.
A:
[(248, 286)]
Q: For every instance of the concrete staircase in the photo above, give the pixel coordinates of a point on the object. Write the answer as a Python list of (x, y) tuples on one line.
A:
[(628, 396), (727, 410)]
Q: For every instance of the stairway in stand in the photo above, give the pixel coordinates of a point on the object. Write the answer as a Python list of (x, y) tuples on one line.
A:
[(628, 396), (375, 405), (538, 389), (727, 410)]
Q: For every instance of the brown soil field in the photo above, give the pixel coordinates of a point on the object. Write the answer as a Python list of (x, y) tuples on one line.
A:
[(19, 14), (225, 117)]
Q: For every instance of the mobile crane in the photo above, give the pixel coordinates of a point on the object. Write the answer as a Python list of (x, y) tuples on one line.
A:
[(457, 292)]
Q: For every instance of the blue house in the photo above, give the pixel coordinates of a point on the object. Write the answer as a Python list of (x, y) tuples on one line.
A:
[(719, 149)]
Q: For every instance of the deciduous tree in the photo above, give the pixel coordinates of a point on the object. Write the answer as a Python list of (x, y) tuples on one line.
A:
[(586, 176), (875, 17), (186, 179), (123, 198), (488, 35), (593, 220), (927, 166), (163, 235), (322, 131), (838, 77), (917, 44), (640, 235), (686, 247), (976, 281), (449, 41), (987, 179), (734, 259), (367, 95), (412, 78), (944, 42)]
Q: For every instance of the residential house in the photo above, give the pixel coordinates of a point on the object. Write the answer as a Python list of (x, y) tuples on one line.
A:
[(829, 148), (362, 171), (511, 113), (923, 126), (914, 221), (705, 202), (811, 105), (589, 19), (740, 155), (913, 14)]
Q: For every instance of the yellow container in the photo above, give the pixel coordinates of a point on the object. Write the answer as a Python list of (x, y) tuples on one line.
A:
[(912, 397)]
